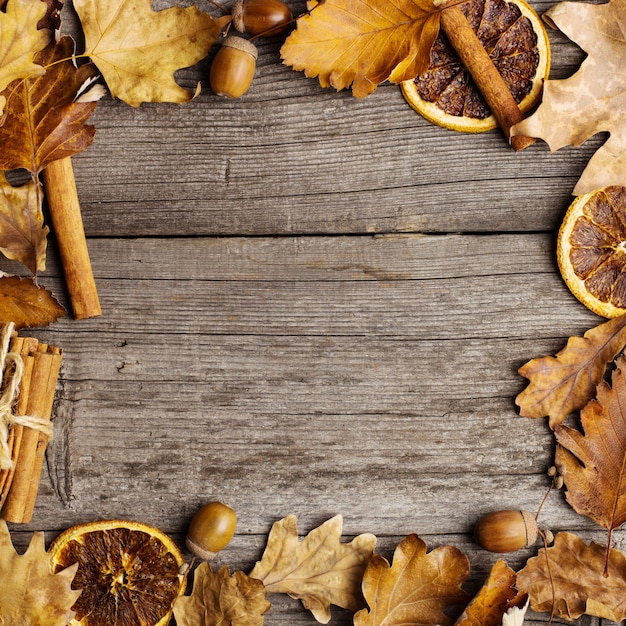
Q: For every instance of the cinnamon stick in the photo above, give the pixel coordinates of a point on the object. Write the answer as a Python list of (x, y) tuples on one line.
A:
[(484, 73), (37, 391), (67, 222)]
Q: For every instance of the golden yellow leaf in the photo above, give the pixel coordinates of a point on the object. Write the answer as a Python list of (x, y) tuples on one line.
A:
[(569, 579), (363, 42), (20, 40), (26, 304), (565, 383), (43, 122), (319, 570), (222, 598), (22, 232), (417, 589), (138, 49), (31, 594), (590, 101), (494, 599)]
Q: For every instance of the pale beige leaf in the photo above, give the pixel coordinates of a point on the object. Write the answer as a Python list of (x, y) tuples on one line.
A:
[(22, 232), (20, 40), (138, 49), (31, 594), (571, 580), (319, 570), (222, 598), (592, 100)]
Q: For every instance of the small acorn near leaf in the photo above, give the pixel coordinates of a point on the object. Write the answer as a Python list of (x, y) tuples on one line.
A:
[(211, 530), (261, 17), (233, 67), (506, 531)]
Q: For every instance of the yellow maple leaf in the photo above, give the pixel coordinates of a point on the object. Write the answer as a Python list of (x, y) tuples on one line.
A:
[(31, 594), (20, 41), (363, 42), (319, 570), (138, 49), (592, 100)]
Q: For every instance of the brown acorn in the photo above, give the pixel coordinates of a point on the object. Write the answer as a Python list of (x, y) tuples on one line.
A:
[(506, 531), (261, 17), (233, 67), (211, 530)]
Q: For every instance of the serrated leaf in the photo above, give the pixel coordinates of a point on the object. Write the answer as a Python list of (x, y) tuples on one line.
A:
[(417, 589), (569, 579), (222, 598), (593, 463), (31, 594), (22, 232), (495, 598), (319, 570), (138, 49), (26, 304), (590, 101), (43, 121), (20, 41), (565, 383), (363, 42)]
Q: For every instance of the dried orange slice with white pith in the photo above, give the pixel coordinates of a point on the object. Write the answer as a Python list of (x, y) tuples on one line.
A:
[(591, 250), (517, 42), (130, 573)]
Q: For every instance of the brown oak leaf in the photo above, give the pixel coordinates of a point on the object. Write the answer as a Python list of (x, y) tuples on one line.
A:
[(222, 598), (26, 304), (138, 49), (22, 232), (31, 594), (43, 121), (570, 580), (565, 383), (494, 599), (417, 589), (590, 101), (319, 570), (593, 463), (20, 41), (363, 42)]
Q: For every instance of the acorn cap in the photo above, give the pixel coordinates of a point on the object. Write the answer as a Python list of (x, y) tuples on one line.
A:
[(532, 530), (237, 15), (239, 43)]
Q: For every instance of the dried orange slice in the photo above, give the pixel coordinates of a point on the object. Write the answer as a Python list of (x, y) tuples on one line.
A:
[(517, 43), (591, 250), (130, 573)]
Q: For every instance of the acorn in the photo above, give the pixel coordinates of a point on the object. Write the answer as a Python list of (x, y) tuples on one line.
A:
[(233, 67), (261, 17), (211, 530), (506, 531)]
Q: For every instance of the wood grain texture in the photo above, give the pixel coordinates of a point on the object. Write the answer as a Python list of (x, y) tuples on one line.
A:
[(315, 305)]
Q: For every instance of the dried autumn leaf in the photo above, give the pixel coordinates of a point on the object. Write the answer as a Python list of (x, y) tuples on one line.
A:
[(138, 50), (572, 581), (20, 41), (219, 598), (319, 570), (495, 598), (590, 101), (22, 233), (31, 594), (26, 304), (565, 383), (593, 462), (363, 42), (43, 121), (417, 589)]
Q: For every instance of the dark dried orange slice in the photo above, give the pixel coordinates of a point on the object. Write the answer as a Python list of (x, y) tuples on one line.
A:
[(130, 573), (517, 43), (591, 250)]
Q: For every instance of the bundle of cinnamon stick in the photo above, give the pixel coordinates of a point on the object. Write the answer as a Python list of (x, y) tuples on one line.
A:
[(30, 428)]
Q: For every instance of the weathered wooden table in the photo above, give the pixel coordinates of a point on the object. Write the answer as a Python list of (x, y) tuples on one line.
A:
[(312, 304)]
